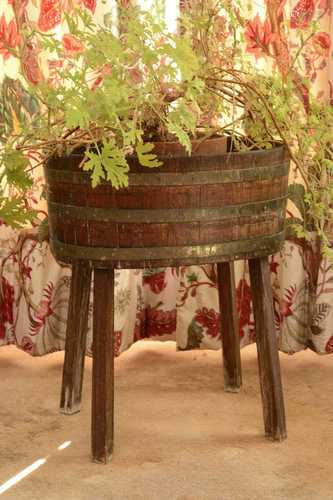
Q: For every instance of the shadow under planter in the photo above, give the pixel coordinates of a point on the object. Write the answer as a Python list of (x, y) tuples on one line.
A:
[(208, 208)]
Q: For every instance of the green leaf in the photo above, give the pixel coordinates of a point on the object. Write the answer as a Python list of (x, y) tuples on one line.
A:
[(146, 159), (71, 23), (184, 57), (14, 213), (76, 116), (16, 163), (108, 163), (115, 165), (95, 165), (181, 135)]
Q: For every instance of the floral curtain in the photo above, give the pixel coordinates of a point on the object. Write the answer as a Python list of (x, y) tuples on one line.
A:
[(182, 303)]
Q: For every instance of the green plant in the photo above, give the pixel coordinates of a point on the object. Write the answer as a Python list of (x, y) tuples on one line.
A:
[(117, 93), (301, 115)]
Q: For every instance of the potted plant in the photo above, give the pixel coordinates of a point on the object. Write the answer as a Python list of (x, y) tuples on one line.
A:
[(130, 135), (117, 108), (136, 93), (170, 95)]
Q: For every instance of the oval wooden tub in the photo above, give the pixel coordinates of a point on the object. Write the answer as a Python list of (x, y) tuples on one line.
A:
[(210, 207)]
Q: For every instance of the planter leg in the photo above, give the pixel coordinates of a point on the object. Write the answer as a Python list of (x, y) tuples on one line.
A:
[(76, 334), (267, 346), (102, 422), (229, 327)]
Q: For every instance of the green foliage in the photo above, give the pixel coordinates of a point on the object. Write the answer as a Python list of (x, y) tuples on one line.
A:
[(108, 163), (184, 57), (16, 163), (13, 211), (76, 115), (122, 91), (182, 123), (145, 157)]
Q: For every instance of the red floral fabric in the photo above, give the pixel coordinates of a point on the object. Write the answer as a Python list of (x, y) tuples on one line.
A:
[(179, 304), (302, 14)]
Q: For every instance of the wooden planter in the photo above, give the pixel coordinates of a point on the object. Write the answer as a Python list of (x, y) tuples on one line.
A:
[(211, 207), (203, 208)]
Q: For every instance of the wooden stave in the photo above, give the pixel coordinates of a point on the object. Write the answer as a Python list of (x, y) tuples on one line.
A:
[(278, 171)]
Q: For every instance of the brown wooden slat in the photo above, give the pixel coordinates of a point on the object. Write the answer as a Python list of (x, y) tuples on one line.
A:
[(156, 197), (95, 233), (136, 257), (200, 177), (176, 197), (182, 163), (115, 214)]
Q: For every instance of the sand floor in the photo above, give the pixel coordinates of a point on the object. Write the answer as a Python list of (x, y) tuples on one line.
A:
[(178, 435)]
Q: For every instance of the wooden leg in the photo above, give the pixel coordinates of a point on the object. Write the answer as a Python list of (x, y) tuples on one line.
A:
[(103, 366), (76, 334), (268, 354), (229, 327)]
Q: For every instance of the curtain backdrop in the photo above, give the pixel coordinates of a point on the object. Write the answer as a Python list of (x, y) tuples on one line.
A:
[(179, 304)]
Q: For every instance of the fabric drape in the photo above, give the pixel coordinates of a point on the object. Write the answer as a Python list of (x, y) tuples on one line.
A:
[(179, 304)]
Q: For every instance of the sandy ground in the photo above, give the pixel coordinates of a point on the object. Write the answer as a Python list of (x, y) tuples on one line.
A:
[(178, 435)]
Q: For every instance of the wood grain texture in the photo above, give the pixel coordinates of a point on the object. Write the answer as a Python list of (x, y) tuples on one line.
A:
[(229, 327), (206, 200), (167, 196), (76, 333), (267, 346), (85, 232), (102, 423), (141, 257), (181, 162)]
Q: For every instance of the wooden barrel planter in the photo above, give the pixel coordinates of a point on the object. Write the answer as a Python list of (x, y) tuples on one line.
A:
[(209, 207)]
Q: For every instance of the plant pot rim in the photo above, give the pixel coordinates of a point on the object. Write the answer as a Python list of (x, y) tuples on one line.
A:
[(215, 146)]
